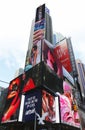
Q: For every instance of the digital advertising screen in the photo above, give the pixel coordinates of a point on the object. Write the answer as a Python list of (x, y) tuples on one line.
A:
[(11, 110), (51, 80), (34, 56), (39, 105), (28, 81), (62, 52), (42, 75), (50, 107), (68, 106), (31, 106), (50, 58), (32, 78)]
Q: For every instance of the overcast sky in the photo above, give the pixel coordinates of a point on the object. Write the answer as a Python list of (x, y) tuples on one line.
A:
[(16, 16)]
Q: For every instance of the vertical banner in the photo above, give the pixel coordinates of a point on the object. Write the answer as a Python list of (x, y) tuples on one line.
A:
[(34, 57), (39, 32), (32, 105), (68, 106), (11, 109), (51, 59), (62, 53), (50, 107)]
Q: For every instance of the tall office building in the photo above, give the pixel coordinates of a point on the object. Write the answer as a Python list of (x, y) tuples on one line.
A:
[(42, 23), (42, 12), (81, 76)]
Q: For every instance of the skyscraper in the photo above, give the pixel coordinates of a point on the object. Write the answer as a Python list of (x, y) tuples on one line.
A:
[(81, 76), (41, 23)]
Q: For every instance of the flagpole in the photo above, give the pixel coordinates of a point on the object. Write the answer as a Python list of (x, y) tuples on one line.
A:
[(35, 121)]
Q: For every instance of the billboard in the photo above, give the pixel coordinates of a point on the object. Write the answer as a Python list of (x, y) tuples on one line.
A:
[(41, 106), (62, 52), (34, 56), (28, 83), (42, 75), (49, 57), (31, 105), (68, 106), (11, 110), (39, 26), (50, 107)]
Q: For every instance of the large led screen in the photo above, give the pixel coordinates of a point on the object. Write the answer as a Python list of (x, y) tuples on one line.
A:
[(31, 106), (50, 58), (29, 80), (68, 106), (62, 52), (34, 56), (41, 75), (51, 80), (50, 107), (11, 110), (41, 106)]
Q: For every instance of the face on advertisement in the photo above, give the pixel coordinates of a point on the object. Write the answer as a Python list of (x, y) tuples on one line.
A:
[(34, 53), (48, 106), (12, 102), (51, 61), (68, 91), (13, 88)]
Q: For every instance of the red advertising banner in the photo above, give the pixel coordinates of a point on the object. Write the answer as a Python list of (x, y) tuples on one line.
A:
[(62, 53), (11, 109)]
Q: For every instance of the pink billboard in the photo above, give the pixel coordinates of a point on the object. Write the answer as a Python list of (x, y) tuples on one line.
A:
[(50, 58), (68, 106)]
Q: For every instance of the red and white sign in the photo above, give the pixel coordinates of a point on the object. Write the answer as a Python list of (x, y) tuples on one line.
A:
[(62, 53)]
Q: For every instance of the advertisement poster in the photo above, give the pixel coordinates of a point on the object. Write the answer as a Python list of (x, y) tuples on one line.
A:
[(50, 58), (40, 75), (34, 57), (50, 107), (11, 109), (32, 78), (62, 53), (48, 76), (68, 106), (28, 81), (38, 36), (32, 105)]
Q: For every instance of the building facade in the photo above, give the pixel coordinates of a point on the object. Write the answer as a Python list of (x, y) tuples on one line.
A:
[(81, 76)]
